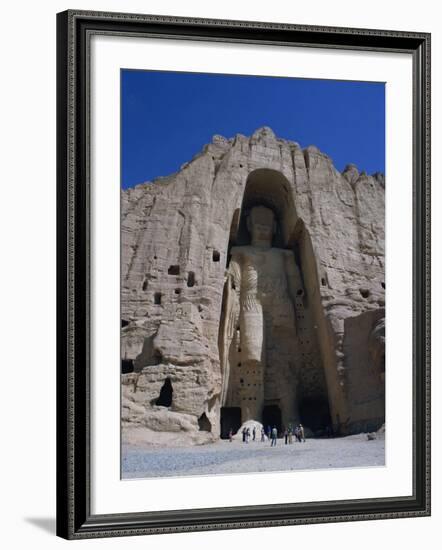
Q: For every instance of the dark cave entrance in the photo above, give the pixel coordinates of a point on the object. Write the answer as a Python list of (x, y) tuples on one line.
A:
[(204, 423), (127, 366), (271, 416), (230, 420), (166, 392), (314, 414)]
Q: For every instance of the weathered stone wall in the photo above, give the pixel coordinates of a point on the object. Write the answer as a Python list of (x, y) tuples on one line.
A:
[(364, 352), (177, 233)]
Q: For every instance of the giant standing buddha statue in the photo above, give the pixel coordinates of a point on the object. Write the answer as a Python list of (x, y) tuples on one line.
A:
[(260, 337)]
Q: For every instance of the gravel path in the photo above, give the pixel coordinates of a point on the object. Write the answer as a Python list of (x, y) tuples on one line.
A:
[(224, 457)]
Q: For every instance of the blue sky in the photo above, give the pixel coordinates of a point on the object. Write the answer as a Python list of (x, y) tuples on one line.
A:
[(167, 117)]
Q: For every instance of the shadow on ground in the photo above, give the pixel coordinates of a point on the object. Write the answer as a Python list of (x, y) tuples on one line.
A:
[(46, 524)]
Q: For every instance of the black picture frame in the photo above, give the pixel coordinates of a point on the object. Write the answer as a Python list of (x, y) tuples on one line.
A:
[(74, 518)]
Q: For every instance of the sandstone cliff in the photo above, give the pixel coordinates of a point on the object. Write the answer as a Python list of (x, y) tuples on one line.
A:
[(176, 236)]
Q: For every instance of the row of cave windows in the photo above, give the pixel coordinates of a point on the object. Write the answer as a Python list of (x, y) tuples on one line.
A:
[(190, 277), (248, 373), (216, 256), (175, 270), (191, 281), (364, 292), (254, 385), (313, 378)]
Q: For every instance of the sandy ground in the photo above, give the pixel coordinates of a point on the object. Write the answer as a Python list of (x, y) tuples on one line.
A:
[(224, 457)]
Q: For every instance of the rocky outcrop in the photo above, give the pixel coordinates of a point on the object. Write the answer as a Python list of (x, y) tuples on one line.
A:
[(177, 233)]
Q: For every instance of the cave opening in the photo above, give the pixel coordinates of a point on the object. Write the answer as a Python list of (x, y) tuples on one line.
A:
[(230, 420), (314, 414), (127, 366), (173, 270), (191, 279), (271, 416), (166, 393), (204, 423)]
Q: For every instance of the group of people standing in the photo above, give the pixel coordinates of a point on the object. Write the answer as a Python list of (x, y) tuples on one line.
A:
[(288, 433), (272, 434)]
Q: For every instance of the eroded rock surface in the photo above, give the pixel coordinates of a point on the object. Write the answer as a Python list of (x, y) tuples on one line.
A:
[(178, 236)]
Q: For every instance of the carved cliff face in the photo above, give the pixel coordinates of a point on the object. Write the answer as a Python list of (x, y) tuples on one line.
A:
[(175, 250)]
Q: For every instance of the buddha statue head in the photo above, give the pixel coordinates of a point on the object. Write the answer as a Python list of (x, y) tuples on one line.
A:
[(261, 225)]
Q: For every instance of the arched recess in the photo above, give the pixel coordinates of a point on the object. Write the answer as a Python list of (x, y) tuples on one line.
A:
[(265, 187), (270, 188)]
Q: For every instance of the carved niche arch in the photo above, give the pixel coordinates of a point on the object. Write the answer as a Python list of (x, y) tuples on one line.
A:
[(266, 187), (271, 189)]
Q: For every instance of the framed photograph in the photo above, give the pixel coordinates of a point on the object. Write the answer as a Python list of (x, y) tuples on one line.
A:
[(243, 274)]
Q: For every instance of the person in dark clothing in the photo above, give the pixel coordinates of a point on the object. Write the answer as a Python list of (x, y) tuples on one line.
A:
[(274, 436)]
